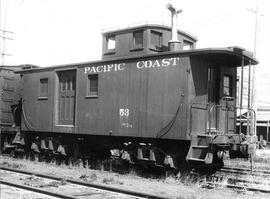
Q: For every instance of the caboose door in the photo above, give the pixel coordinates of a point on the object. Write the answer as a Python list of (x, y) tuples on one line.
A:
[(212, 95), (66, 99)]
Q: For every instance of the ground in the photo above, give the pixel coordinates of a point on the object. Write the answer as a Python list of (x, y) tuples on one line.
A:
[(168, 187)]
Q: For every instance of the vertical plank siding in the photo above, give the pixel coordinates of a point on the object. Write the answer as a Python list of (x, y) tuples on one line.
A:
[(151, 96)]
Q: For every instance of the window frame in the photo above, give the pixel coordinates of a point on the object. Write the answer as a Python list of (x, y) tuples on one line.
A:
[(89, 93), (135, 46), (107, 50), (229, 87), (42, 94), (108, 39)]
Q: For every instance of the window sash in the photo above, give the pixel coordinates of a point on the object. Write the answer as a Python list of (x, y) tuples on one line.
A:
[(43, 88), (111, 42), (92, 88), (138, 39), (227, 85), (156, 39)]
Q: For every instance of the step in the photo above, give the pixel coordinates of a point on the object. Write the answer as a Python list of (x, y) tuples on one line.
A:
[(147, 161), (200, 147), (10, 146), (196, 159), (203, 135)]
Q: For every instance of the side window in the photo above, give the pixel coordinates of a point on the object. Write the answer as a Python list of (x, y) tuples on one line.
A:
[(92, 85), (43, 88), (110, 42), (138, 39), (156, 40), (227, 85)]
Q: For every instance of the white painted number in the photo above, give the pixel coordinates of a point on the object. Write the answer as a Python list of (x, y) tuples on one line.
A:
[(123, 112)]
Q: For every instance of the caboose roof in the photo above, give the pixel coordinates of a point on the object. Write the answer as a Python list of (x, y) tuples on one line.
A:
[(230, 56)]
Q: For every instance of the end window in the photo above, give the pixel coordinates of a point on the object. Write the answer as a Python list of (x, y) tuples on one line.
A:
[(227, 85), (43, 88), (92, 85)]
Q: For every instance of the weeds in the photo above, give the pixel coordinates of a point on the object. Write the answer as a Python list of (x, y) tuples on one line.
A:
[(111, 180), (54, 184), (11, 165), (108, 180), (92, 177)]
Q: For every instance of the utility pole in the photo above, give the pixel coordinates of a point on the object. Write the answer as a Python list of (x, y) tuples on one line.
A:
[(4, 35), (257, 14), (253, 87)]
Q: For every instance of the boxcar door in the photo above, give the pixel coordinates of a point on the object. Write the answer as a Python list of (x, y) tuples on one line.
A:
[(66, 98)]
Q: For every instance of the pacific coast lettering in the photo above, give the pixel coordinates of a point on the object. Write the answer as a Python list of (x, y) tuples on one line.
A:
[(140, 65), (157, 63), (104, 68)]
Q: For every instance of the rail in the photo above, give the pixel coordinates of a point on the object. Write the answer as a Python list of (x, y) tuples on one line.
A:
[(81, 183)]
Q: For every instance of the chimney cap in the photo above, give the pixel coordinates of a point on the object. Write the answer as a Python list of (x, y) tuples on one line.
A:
[(173, 9)]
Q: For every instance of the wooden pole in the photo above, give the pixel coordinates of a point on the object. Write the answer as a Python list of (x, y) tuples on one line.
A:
[(267, 132)]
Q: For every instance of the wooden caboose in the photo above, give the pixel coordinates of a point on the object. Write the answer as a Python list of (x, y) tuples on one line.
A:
[(156, 105)]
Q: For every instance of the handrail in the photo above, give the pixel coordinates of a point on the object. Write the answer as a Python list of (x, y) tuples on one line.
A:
[(254, 118)]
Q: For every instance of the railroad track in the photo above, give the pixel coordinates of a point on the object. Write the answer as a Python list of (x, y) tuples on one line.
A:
[(239, 178), (244, 171), (86, 189)]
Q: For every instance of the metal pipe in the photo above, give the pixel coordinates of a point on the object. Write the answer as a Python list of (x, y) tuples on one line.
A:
[(241, 93), (174, 43), (174, 13)]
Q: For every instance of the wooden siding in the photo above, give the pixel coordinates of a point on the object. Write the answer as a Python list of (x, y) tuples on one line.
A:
[(132, 100), (152, 97), (10, 91), (38, 112)]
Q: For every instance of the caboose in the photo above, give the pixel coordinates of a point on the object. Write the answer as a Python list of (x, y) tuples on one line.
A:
[(153, 99), (142, 103)]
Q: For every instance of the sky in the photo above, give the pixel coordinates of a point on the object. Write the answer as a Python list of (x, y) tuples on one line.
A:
[(53, 32)]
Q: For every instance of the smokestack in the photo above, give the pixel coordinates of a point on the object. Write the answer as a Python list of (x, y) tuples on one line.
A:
[(174, 43)]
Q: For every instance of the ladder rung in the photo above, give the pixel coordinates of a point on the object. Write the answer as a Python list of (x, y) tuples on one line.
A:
[(196, 159)]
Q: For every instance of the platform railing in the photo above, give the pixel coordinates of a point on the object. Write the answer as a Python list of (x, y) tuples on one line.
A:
[(226, 109), (249, 119), (198, 106)]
